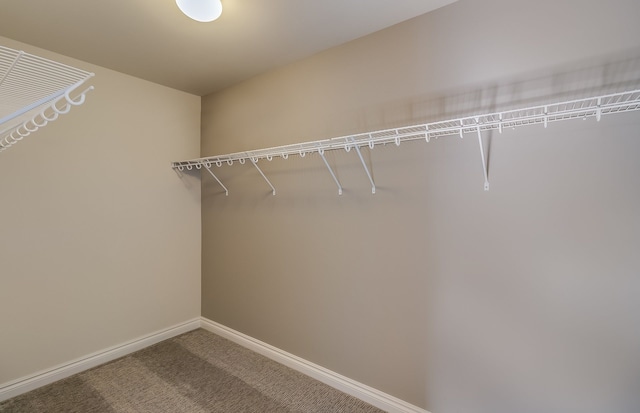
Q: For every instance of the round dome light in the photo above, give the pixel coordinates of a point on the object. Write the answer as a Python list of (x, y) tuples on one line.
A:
[(201, 10)]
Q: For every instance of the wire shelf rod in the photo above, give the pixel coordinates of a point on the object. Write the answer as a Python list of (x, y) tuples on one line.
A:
[(596, 106), (33, 92)]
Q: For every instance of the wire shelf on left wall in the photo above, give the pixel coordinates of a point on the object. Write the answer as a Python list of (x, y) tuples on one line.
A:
[(33, 92)]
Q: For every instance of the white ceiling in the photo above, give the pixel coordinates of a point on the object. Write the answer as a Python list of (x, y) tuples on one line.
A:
[(153, 40)]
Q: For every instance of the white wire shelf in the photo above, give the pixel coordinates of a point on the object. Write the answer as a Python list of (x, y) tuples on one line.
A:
[(33, 92), (593, 107)]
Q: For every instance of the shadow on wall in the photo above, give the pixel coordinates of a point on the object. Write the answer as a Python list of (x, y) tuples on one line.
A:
[(191, 181), (583, 79)]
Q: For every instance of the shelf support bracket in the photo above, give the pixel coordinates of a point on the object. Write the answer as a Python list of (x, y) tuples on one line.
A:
[(255, 163), (364, 164), (208, 168), (485, 169), (333, 175)]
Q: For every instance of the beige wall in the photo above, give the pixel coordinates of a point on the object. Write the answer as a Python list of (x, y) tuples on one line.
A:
[(520, 299), (100, 240)]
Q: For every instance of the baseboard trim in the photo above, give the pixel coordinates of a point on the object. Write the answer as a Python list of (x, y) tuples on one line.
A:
[(25, 384), (368, 394), (363, 392)]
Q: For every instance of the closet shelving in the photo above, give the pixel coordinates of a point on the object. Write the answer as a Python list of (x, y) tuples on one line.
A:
[(33, 92), (592, 107)]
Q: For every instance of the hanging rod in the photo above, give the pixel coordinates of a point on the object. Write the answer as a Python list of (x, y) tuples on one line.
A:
[(33, 92), (593, 107)]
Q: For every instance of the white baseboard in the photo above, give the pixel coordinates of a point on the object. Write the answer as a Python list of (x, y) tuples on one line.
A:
[(25, 384), (363, 392)]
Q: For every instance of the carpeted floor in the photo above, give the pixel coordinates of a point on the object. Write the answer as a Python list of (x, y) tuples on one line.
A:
[(197, 372)]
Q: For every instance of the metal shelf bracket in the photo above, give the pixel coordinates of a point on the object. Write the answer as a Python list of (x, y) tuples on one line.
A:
[(254, 161), (485, 166), (333, 175), (207, 166), (364, 164)]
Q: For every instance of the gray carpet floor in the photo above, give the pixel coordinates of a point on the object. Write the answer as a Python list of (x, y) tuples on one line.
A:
[(197, 372)]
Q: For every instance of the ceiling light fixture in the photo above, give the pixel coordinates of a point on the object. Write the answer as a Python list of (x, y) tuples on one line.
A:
[(201, 10)]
